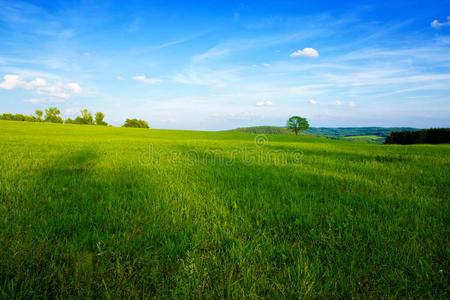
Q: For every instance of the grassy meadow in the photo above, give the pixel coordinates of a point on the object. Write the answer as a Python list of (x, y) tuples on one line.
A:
[(105, 212)]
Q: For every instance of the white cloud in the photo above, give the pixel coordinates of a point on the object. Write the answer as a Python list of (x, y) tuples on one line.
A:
[(120, 78), (57, 90), (308, 52), (338, 102), (12, 82), (87, 54), (38, 82), (244, 115), (50, 89), (437, 24), (351, 104), (54, 91), (207, 76), (70, 112), (61, 95), (266, 65), (144, 79), (34, 100), (15, 82), (214, 52), (265, 103), (74, 87), (312, 101)]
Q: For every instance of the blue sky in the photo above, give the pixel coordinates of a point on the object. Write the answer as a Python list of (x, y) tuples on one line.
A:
[(212, 65)]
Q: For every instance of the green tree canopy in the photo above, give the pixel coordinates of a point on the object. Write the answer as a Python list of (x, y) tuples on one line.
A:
[(135, 123), (52, 115), (85, 119), (18, 117), (39, 113), (296, 124), (99, 119)]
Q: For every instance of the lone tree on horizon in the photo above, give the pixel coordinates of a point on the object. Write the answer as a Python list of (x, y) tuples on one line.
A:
[(296, 124)]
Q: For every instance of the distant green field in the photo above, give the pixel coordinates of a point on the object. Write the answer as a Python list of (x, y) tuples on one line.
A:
[(340, 132), (374, 135), (264, 130), (105, 212), (366, 138)]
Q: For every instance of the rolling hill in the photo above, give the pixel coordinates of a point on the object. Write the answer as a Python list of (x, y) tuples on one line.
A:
[(327, 131)]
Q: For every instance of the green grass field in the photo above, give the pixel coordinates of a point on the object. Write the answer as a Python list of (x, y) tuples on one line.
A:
[(366, 138), (105, 212)]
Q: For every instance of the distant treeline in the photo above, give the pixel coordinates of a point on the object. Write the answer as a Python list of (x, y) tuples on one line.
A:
[(341, 132), (86, 118), (424, 136), (357, 131), (19, 117)]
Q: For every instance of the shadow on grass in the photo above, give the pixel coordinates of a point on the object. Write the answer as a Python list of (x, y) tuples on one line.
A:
[(91, 229), (92, 232)]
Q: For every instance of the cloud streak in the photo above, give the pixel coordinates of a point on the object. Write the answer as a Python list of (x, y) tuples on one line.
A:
[(437, 24), (34, 100), (143, 79), (307, 52), (264, 103)]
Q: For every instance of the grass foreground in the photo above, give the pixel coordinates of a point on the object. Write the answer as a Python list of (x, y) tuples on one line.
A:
[(104, 212)]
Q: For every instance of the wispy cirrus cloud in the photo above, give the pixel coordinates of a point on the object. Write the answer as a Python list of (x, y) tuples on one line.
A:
[(205, 76), (212, 53), (71, 111), (236, 46), (144, 79), (437, 24), (34, 100), (264, 103), (135, 25), (147, 48)]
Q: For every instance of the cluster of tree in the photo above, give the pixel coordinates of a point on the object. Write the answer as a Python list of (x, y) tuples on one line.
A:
[(425, 136), (135, 123), (19, 117), (52, 115), (87, 119)]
